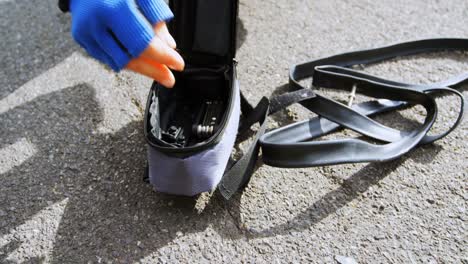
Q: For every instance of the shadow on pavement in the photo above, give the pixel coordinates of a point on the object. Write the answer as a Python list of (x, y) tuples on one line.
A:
[(328, 204), (111, 214), (35, 37)]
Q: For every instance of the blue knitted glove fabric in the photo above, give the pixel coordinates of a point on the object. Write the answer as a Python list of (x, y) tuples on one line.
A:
[(115, 31)]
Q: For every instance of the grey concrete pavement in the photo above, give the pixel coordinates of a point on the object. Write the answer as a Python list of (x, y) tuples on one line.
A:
[(72, 153)]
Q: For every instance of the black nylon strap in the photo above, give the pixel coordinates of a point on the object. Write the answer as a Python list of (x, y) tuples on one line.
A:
[(240, 171), (290, 147), (284, 100), (238, 175)]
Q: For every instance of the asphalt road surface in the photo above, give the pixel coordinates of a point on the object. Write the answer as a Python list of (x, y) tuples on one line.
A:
[(72, 152)]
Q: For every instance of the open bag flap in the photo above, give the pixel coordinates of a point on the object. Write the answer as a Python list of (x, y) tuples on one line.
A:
[(205, 30)]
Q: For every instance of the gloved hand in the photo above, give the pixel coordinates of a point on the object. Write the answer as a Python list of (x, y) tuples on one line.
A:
[(120, 33)]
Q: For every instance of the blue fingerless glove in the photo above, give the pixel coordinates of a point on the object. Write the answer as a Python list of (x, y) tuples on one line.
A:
[(115, 31)]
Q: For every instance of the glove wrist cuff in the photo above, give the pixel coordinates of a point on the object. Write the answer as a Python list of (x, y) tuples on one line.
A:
[(156, 11)]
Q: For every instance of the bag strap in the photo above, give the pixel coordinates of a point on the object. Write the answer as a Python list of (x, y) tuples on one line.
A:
[(290, 146), (240, 171)]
